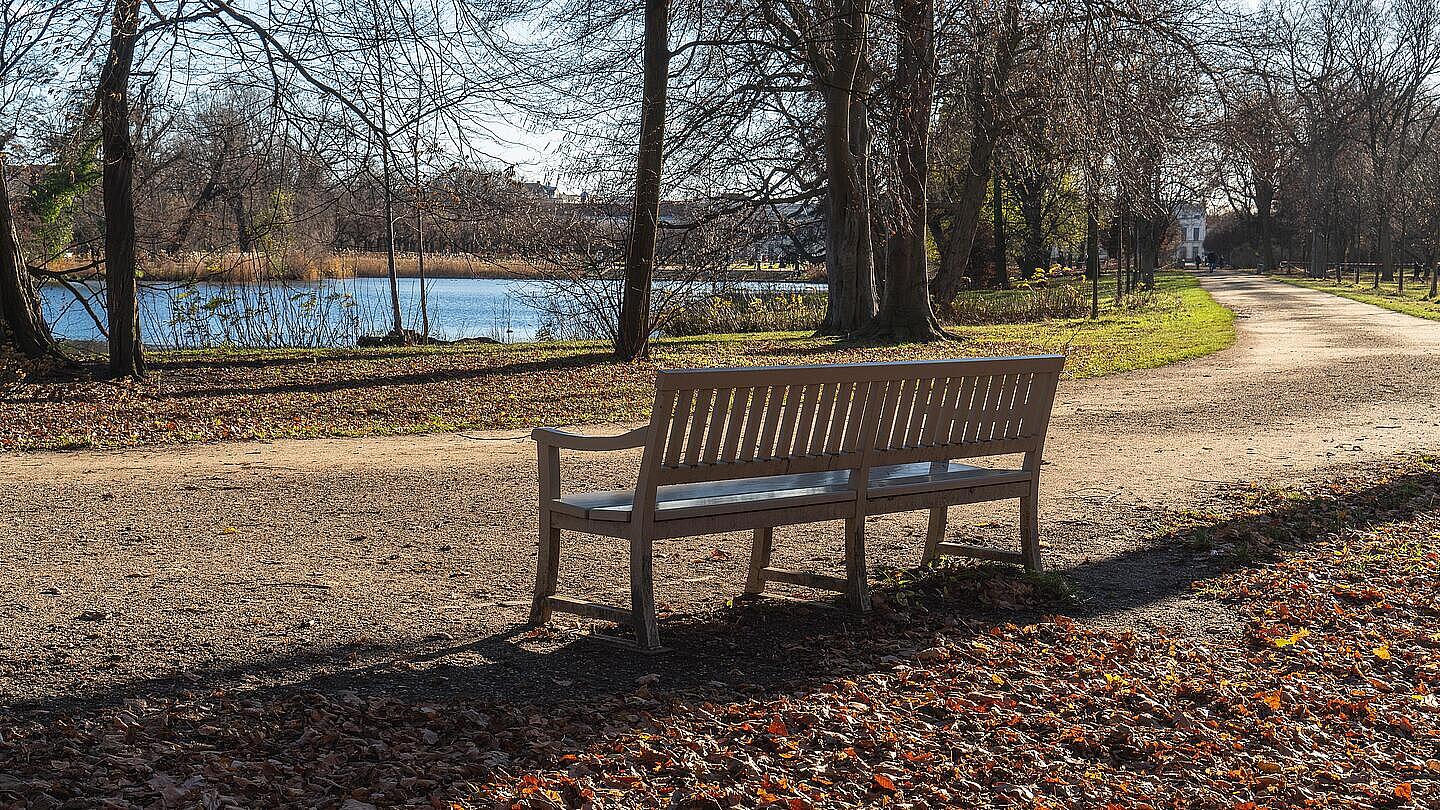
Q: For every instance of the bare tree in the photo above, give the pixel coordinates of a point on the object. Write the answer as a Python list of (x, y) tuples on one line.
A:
[(27, 34), (633, 340), (127, 356), (905, 312)]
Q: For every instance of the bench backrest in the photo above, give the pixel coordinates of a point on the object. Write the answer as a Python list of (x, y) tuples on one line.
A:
[(720, 424)]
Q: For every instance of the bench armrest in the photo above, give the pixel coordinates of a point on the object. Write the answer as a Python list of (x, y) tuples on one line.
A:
[(578, 441)]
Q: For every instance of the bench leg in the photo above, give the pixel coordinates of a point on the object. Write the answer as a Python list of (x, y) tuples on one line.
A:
[(642, 594), (935, 535), (1030, 533), (760, 549), (547, 570), (855, 568)]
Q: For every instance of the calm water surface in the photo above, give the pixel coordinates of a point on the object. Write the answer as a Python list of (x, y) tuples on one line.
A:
[(329, 312)]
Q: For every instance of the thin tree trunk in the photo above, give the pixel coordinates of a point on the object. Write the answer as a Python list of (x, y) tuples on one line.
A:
[(1318, 267), (397, 323), (1119, 229), (22, 321), (1092, 257), (905, 312), (997, 216), (1386, 243), (127, 357), (632, 339), (1264, 199), (968, 205), (1132, 263), (420, 250)]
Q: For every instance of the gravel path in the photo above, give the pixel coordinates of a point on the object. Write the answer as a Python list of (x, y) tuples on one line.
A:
[(407, 560)]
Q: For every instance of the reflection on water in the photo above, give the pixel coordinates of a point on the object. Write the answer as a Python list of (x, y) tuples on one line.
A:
[(332, 312)]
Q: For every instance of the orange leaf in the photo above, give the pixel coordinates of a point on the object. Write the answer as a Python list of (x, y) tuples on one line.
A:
[(777, 727), (883, 782), (1403, 791), (1286, 642)]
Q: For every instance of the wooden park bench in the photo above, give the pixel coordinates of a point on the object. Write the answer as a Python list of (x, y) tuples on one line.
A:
[(750, 449)]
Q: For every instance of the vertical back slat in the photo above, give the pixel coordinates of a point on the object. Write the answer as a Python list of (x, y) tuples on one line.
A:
[(889, 397), (854, 418), (715, 434), (821, 427), (696, 440), (660, 418), (921, 413), (739, 407), (790, 414), (678, 418), (941, 408), (756, 416), (1007, 408), (805, 426), (774, 409), (835, 433), (902, 414)]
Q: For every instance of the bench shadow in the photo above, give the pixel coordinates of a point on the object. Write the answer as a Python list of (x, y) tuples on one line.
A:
[(755, 646)]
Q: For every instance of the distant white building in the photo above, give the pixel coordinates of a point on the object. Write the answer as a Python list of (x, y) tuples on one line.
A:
[(1191, 221)]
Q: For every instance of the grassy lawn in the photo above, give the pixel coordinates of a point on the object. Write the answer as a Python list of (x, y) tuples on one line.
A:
[(224, 395), (1414, 301)]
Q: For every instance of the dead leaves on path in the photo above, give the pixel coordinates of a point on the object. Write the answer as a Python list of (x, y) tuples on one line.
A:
[(1331, 698)]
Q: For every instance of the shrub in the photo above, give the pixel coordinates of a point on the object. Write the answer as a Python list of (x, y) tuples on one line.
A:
[(749, 311), (1032, 303)]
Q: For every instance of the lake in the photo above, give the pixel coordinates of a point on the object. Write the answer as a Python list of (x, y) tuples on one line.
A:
[(333, 312)]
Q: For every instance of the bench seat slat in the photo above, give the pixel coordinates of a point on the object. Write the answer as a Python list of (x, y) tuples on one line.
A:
[(742, 494)]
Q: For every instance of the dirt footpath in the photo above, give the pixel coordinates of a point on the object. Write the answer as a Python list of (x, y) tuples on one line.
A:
[(255, 564)]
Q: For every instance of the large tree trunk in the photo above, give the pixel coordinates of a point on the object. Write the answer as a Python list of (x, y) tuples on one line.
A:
[(849, 261), (22, 322), (849, 264), (127, 357), (632, 338), (905, 312)]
